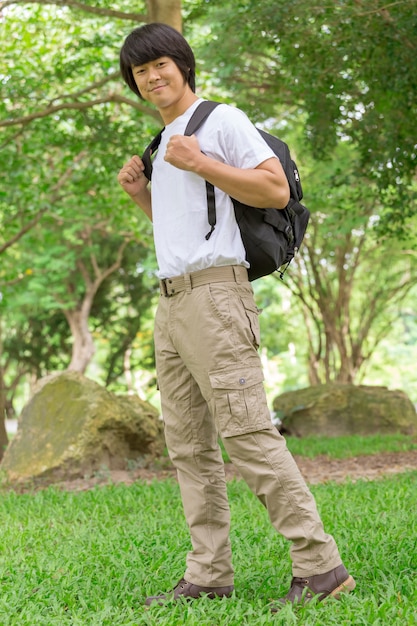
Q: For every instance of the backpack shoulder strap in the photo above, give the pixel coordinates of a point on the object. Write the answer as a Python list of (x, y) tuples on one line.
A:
[(199, 116), (197, 119), (149, 151)]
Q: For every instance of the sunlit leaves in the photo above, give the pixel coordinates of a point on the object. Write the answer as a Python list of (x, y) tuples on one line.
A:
[(349, 65)]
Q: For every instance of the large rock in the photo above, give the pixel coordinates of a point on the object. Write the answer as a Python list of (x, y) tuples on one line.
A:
[(334, 410), (72, 427)]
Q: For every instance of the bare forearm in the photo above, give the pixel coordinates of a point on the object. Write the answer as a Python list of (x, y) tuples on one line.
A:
[(263, 187), (133, 180), (143, 201)]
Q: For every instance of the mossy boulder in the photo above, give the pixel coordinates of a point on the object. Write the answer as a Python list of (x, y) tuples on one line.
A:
[(335, 409), (72, 427)]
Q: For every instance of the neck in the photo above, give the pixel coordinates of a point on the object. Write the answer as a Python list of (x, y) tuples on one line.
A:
[(170, 113)]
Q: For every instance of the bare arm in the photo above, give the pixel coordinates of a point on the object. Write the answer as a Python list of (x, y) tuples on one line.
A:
[(135, 183), (264, 187)]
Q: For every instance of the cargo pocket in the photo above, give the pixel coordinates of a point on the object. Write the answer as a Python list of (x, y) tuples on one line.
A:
[(252, 314), (240, 401)]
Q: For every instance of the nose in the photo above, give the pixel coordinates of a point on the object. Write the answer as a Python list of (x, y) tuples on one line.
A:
[(153, 73)]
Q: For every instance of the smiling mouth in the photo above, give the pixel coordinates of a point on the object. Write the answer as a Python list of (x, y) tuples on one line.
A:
[(156, 88)]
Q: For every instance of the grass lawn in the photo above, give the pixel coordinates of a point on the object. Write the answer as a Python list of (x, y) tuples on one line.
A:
[(90, 558)]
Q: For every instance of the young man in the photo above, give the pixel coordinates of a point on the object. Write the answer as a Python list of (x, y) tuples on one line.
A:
[(206, 326)]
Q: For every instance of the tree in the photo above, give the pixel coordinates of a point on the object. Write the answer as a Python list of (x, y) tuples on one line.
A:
[(349, 283), (67, 241), (349, 66), (61, 108), (122, 320), (67, 122), (3, 434)]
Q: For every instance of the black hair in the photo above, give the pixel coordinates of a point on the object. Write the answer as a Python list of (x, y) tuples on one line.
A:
[(152, 41)]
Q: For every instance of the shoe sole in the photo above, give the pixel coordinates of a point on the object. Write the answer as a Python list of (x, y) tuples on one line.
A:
[(348, 585)]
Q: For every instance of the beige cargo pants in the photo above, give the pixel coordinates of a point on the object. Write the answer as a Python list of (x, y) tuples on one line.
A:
[(211, 383)]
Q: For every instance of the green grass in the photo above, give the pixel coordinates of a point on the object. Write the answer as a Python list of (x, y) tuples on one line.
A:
[(346, 447), (350, 446), (90, 558)]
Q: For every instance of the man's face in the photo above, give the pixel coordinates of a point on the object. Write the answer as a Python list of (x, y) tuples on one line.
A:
[(160, 82)]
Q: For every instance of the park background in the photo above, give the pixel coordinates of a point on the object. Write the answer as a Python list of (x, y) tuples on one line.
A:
[(337, 80)]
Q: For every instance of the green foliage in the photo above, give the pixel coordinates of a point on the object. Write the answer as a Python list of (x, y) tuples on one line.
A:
[(345, 447), (38, 343), (92, 557), (342, 75), (122, 318), (65, 135), (349, 65), (347, 290)]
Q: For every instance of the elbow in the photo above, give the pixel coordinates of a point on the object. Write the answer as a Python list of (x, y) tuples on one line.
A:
[(277, 200), (280, 189), (275, 187), (284, 193), (283, 199)]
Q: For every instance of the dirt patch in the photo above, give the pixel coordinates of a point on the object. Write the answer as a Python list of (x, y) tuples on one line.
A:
[(318, 470), (322, 469)]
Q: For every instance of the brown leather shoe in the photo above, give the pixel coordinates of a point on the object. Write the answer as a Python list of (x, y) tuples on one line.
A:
[(190, 591), (331, 583)]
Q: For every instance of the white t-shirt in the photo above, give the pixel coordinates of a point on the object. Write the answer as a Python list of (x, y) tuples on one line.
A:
[(179, 200)]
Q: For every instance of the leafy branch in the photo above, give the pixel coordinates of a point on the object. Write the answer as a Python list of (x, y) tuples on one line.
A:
[(79, 106), (53, 198), (136, 17)]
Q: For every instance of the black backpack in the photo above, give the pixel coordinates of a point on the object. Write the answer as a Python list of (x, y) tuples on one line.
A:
[(271, 237)]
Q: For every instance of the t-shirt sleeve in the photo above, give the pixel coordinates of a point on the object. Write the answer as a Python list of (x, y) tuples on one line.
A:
[(239, 142)]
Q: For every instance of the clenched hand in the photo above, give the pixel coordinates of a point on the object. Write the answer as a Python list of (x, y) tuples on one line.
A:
[(183, 152), (132, 178)]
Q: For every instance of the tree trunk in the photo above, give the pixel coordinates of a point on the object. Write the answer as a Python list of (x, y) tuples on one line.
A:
[(165, 11), (83, 348), (4, 440), (337, 317)]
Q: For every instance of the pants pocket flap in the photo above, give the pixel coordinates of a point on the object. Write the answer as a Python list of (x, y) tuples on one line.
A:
[(236, 378)]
